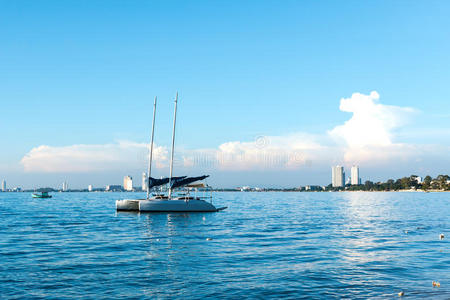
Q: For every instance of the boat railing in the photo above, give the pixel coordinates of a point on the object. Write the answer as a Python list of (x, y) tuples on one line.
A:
[(204, 192)]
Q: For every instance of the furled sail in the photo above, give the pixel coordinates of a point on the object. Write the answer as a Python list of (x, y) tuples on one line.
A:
[(152, 182), (186, 180)]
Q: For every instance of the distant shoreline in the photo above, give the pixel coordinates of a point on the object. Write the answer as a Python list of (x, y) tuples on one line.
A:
[(262, 191)]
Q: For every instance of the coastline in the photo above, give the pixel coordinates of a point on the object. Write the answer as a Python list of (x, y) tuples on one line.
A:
[(253, 191)]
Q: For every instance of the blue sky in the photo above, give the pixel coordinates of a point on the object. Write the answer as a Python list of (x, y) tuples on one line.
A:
[(86, 72)]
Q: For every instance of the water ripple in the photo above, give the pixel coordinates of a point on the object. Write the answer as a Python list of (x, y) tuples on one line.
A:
[(266, 245)]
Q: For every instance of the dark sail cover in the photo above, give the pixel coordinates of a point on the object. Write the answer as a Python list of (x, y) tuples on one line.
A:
[(152, 182), (184, 181)]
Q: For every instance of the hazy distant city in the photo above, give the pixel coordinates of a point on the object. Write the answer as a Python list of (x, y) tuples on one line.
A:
[(339, 182)]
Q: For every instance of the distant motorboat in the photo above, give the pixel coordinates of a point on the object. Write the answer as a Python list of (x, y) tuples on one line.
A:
[(41, 195)]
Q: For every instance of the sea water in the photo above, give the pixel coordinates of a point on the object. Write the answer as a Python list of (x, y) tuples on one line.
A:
[(265, 245)]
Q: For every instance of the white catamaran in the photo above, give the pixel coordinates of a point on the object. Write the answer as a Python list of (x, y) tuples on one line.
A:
[(169, 203)]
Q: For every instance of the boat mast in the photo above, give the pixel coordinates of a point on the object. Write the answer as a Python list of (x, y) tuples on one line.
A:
[(173, 145), (150, 155)]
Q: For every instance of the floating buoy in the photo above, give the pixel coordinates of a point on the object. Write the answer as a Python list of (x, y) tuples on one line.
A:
[(209, 239), (441, 236), (436, 284), (405, 231), (401, 294)]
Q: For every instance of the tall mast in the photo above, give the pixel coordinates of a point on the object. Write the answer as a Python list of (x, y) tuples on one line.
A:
[(150, 155), (173, 145)]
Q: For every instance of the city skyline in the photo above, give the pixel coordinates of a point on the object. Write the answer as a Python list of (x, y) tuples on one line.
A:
[(338, 180), (269, 94)]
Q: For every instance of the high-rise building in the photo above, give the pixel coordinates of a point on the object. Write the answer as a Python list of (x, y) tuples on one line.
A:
[(65, 186), (337, 176), (128, 183), (90, 188), (4, 186), (355, 176), (144, 181)]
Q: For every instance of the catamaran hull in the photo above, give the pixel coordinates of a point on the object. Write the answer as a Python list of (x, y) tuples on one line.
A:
[(128, 205), (164, 205)]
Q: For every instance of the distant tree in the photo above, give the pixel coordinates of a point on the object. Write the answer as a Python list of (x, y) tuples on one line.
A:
[(390, 184), (368, 185), (405, 183), (441, 181), (426, 184)]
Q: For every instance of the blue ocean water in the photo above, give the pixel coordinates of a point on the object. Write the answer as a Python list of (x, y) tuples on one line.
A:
[(265, 245)]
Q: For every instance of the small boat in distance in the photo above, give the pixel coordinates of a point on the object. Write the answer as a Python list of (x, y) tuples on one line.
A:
[(41, 195)]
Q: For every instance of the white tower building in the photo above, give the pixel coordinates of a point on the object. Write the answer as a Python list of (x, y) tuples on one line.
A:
[(128, 183), (337, 176), (355, 175), (90, 188), (4, 186), (65, 186), (144, 181)]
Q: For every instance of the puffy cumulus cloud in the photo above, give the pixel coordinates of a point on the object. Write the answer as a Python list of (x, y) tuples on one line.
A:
[(91, 158), (369, 135), (372, 123)]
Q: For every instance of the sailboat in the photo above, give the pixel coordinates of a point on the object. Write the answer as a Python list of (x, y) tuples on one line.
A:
[(169, 202)]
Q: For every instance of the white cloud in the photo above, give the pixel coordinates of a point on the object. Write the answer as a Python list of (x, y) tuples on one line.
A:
[(264, 153), (91, 158), (368, 137), (372, 123)]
